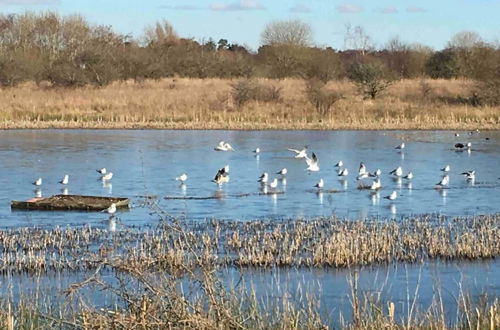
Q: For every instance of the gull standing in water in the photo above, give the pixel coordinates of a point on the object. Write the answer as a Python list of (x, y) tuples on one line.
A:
[(65, 180), (376, 184), (376, 173), (401, 146), (312, 163), (397, 171), (470, 175), (182, 178), (256, 151), (274, 184), (108, 176), (362, 176), (282, 172), (299, 153), (408, 176), (343, 172), (446, 169), (339, 164), (444, 181), (102, 171), (320, 184), (462, 147), (111, 209), (37, 182), (392, 196), (263, 178)]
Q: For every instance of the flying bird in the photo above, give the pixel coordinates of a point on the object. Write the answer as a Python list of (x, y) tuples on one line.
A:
[(376, 173), (299, 153), (312, 163), (362, 169), (470, 175)]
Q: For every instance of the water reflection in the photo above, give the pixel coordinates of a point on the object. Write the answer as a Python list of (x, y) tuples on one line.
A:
[(320, 195), (108, 187), (64, 191), (38, 192)]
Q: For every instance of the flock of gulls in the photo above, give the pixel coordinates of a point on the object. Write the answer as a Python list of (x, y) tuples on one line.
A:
[(269, 185), (312, 165)]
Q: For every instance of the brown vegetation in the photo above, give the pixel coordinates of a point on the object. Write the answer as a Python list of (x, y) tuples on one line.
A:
[(182, 103)]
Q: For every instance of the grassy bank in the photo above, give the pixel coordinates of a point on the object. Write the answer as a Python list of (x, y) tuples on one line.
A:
[(209, 104)]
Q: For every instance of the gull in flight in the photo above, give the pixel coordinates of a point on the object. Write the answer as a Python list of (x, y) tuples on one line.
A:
[(339, 164), (401, 146), (274, 184), (376, 184), (447, 168), (182, 178), (444, 181), (343, 172), (264, 178), (470, 175), (108, 176), (392, 196), (397, 171), (299, 153), (362, 169), (65, 179), (320, 184), (222, 176), (376, 174), (312, 163), (223, 146), (111, 209), (408, 176), (102, 171), (38, 182)]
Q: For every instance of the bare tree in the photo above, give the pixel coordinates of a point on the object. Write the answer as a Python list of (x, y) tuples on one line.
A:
[(289, 32), (465, 39), (161, 32), (357, 38)]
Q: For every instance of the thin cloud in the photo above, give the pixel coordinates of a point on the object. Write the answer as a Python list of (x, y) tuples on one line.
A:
[(180, 7), (349, 8), (237, 6), (413, 9), (387, 10), (30, 2), (298, 8)]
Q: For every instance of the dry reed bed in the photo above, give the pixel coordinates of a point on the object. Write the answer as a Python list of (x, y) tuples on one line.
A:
[(183, 103), (324, 242)]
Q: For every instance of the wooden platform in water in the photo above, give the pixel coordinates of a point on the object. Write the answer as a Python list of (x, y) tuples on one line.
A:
[(70, 203)]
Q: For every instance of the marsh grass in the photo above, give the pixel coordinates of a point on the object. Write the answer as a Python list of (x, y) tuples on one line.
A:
[(170, 278), (183, 103)]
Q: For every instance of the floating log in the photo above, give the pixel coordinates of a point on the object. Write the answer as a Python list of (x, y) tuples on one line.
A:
[(70, 203)]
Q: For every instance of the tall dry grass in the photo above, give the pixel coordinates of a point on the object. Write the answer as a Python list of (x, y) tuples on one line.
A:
[(183, 103)]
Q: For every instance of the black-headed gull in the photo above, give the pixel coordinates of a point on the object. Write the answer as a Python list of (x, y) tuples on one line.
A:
[(182, 178), (343, 172), (108, 176), (339, 164), (392, 196), (470, 175), (320, 184), (408, 176), (274, 184), (299, 153), (38, 182), (397, 171), (282, 172), (401, 146), (264, 178), (447, 168), (65, 179), (102, 171), (312, 163), (444, 181)]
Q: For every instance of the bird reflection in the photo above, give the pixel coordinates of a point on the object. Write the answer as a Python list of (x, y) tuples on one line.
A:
[(393, 209), (38, 193), (183, 188), (64, 191), (320, 196), (108, 186), (111, 224), (343, 182), (375, 197), (444, 194)]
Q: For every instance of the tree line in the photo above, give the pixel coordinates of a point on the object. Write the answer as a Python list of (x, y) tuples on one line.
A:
[(69, 51)]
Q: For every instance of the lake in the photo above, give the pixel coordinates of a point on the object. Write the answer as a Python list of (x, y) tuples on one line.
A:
[(145, 162)]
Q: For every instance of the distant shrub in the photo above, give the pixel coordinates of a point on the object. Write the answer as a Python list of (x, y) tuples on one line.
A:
[(322, 99), (370, 78), (246, 90)]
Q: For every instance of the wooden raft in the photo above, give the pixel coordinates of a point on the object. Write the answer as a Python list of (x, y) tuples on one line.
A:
[(70, 203)]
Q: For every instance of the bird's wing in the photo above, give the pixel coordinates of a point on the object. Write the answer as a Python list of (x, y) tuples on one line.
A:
[(314, 158), (294, 150)]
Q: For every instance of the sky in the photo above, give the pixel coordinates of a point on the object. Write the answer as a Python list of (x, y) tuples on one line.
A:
[(429, 22)]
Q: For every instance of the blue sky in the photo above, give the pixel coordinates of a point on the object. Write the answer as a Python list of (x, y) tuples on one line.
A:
[(428, 22)]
